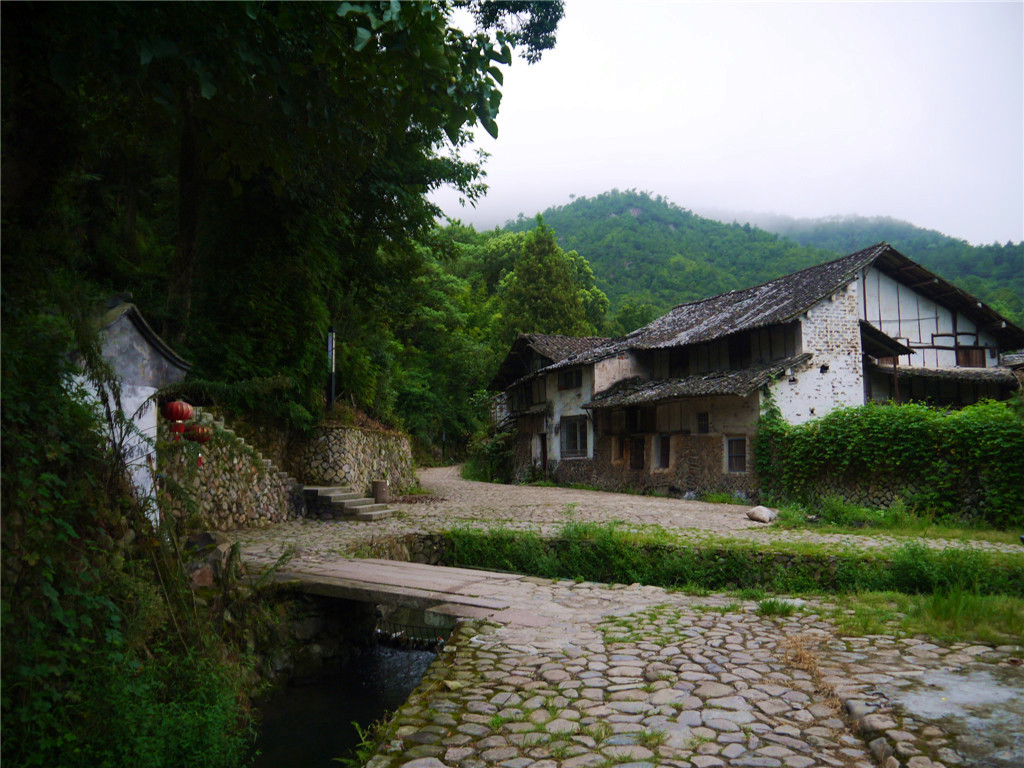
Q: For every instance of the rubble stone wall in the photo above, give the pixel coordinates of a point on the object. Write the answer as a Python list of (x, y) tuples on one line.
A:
[(355, 457), (232, 489)]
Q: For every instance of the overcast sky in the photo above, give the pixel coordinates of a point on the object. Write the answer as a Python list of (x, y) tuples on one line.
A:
[(909, 110)]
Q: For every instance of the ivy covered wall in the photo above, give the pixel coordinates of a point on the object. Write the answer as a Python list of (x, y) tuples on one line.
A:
[(960, 465)]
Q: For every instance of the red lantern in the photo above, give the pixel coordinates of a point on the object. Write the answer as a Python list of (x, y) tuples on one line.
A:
[(198, 433), (177, 410), (177, 429)]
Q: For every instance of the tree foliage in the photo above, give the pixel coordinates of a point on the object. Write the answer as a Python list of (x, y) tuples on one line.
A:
[(549, 290), (251, 173)]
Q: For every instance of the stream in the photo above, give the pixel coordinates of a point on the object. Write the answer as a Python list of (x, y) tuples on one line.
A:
[(309, 725)]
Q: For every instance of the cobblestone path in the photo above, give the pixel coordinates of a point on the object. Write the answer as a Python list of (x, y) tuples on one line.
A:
[(523, 507), (600, 675)]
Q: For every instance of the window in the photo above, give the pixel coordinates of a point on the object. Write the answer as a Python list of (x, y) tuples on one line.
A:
[(703, 423), (539, 391), (636, 453), (664, 451), (737, 451), (970, 357), (570, 379), (574, 437)]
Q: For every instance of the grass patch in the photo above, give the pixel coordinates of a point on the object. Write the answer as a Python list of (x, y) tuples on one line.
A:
[(947, 616), (609, 553), (771, 606), (833, 515)]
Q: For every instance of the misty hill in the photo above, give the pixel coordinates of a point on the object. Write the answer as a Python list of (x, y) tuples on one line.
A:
[(650, 250)]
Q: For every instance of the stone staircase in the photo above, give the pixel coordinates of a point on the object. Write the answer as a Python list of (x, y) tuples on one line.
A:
[(218, 424), (323, 502), (340, 502)]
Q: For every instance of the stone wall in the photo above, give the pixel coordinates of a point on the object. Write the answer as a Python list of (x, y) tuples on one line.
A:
[(355, 457), (234, 487), (696, 467)]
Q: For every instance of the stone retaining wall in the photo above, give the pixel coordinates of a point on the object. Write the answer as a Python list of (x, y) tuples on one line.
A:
[(232, 489), (355, 457)]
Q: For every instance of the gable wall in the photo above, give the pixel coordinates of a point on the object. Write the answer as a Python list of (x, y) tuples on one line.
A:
[(830, 330), (917, 321), (613, 369)]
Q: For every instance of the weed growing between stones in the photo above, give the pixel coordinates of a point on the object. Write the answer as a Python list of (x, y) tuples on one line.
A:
[(771, 606), (370, 738), (800, 656)]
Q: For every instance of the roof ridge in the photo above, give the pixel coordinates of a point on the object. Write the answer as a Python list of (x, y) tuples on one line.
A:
[(877, 246)]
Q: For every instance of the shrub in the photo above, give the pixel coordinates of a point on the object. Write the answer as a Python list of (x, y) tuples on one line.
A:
[(960, 464)]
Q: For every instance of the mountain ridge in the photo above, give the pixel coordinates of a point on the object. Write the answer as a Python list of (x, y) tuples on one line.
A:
[(645, 249)]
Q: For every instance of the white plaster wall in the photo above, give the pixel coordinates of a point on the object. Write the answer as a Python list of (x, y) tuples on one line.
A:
[(568, 402), (616, 368), (831, 333), (917, 321)]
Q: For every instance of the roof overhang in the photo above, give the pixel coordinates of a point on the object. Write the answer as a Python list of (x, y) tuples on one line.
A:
[(124, 308), (879, 344), (995, 375), (737, 383)]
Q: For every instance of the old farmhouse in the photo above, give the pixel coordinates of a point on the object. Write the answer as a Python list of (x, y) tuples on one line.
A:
[(674, 404)]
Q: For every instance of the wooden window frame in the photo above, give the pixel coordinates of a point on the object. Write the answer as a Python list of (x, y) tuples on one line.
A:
[(736, 462), (573, 437), (637, 448), (664, 451), (571, 378), (704, 423), (971, 357)]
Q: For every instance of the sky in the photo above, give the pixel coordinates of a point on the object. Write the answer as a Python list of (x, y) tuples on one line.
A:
[(909, 110)]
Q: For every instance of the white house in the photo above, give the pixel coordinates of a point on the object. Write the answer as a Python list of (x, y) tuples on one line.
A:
[(675, 403), (143, 364)]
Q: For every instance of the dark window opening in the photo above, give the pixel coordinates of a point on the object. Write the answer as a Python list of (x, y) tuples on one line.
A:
[(570, 379), (664, 451), (737, 448), (574, 437), (739, 351), (633, 420), (703, 423), (636, 453)]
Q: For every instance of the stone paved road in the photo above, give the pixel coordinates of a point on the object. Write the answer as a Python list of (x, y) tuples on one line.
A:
[(599, 675), (544, 509)]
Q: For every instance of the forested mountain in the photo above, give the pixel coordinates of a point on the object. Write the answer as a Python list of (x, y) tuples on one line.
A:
[(994, 272), (645, 249)]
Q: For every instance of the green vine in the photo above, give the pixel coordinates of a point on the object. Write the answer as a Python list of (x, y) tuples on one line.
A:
[(962, 464)]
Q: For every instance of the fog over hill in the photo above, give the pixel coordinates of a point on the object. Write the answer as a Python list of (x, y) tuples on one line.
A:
[(645, 249)]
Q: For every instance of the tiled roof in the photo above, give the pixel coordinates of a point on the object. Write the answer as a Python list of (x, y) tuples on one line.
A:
[(996, 375), (551, 347), (557, 348), (777, 301), (732, 382), (774, 302)]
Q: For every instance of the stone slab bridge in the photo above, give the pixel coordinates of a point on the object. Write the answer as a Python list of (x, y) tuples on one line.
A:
[(458, 592)]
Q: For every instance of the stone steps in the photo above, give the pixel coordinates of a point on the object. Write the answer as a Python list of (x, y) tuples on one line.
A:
[(341, 502)]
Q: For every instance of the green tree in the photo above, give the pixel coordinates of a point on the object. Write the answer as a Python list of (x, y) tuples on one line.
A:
[(539, 295)]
